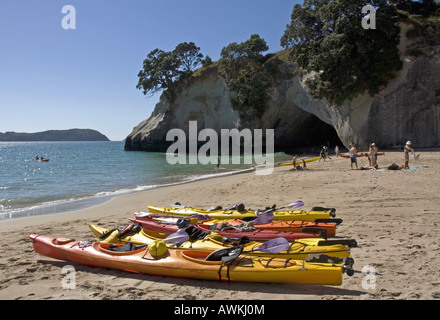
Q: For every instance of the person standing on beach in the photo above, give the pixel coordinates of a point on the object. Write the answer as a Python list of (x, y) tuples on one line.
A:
[(353, 159), (322, 154), (337, 151), (326, 152), (373, 155), (407, 149)]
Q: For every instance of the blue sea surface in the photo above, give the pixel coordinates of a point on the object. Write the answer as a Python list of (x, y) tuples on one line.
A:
[(82, 174)]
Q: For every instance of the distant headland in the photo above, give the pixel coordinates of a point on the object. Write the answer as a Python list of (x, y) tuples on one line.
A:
[(55, 135)]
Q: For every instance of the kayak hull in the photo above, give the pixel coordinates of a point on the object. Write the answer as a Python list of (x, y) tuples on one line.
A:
[(299, 249), (165, 223), (299, 161), (189, 263), (260, 234), (299, 215), (256, 234)]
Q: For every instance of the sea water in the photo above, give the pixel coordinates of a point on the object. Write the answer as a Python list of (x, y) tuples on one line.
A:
[(82, 174)]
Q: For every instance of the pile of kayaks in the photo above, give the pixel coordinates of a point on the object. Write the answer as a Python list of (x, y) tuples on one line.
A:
[(234, 244)]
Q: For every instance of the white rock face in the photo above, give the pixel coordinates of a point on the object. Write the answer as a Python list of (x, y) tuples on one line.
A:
[(207, 100), (407, 109)]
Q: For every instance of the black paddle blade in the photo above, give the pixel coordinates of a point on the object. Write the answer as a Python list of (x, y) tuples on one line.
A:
[(351, 243), (335, 221), (321, 231)]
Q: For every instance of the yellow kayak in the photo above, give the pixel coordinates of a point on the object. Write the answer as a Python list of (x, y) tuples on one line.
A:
[(221, 214), (300, 249), (299, 161)]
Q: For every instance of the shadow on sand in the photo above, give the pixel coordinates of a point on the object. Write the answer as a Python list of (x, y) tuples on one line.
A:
[(253, 287)]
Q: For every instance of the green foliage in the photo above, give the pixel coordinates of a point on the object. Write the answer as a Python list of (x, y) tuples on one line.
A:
[(206, 62), (327, 37), (242, 65), (162, 70), (425, 8), (189, 56)]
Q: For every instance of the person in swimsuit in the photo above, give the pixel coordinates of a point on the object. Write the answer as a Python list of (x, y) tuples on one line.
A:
[(373, 155), (353, 159), (407, 149)]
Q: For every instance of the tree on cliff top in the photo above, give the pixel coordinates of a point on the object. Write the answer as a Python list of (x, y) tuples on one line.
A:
[(244, 72), (327, 37), (162, 70)]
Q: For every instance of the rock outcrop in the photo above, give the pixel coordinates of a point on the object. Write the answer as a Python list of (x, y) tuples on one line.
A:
[(207, 100), (407, 109)]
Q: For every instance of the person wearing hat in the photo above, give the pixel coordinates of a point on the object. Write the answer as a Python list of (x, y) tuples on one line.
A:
[(406, 151), (373, 155)]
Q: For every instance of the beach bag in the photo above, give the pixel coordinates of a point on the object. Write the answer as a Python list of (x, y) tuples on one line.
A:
[(132, 228), (125, 248), (239, 207), (196, 233), (215, 208), (182, 223), (394, 167)]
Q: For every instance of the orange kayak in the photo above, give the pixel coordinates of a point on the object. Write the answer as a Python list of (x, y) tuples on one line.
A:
[(189, 263)]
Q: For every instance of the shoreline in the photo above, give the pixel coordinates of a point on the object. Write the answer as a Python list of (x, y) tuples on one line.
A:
[(393, 215), (84, 202), (69, 215)]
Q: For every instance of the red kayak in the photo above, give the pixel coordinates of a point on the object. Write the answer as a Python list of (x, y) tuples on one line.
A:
[(361, 155), (229, 231), (169, 225), (257, 235), (297, 226)]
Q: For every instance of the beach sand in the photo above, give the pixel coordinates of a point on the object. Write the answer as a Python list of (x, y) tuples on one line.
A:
[(393, 215)]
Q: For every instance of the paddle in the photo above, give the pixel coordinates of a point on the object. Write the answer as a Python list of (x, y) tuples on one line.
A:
[(331, 220), (273, 246), (264, 218), (351, 243), (177, 237), (292, 205)]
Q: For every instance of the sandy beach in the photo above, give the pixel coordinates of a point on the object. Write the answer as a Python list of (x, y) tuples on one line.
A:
[(393, 215)]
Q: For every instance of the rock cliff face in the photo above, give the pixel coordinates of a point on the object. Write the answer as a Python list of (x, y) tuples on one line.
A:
[(407, 109), (207, 100)]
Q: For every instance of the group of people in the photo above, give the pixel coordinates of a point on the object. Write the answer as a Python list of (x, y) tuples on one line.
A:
[(353, 155), (298, 165), (372, 156)]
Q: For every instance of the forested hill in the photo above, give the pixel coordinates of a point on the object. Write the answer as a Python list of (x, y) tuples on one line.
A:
[(55, 135)]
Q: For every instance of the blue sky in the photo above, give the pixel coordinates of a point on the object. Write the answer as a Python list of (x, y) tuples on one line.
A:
[(52, 78)]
